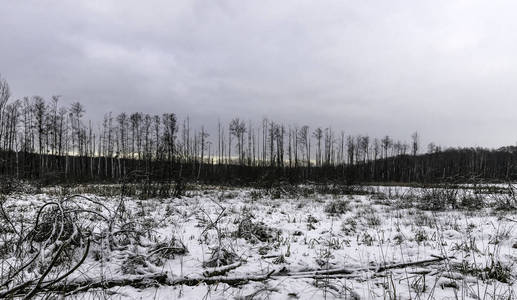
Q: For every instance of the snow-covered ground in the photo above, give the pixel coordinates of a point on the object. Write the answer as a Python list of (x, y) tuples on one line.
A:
[(379, 245)]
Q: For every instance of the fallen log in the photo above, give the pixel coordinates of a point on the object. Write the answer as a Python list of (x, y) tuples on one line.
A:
[(75, 286), (144, 281)]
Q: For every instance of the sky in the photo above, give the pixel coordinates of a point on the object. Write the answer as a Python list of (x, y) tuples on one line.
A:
[(446, 69)]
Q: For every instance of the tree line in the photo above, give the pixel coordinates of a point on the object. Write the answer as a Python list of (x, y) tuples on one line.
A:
[(40, 139)]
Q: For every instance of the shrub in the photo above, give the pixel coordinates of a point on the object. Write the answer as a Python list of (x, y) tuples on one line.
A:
[(366, 239), (494, 270), (255, 231), (50, 219), (508, 200), (437, 199), (349, 226), (255, 195), (373, 220), (337, 207), (311, 221), (220, 257), (472, 202), (420, 236), (168, 250)]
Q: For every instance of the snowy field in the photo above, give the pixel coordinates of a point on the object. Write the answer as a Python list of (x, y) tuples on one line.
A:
[(222, 243)]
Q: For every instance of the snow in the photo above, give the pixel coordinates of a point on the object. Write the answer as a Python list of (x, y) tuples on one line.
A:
[(369, 234)]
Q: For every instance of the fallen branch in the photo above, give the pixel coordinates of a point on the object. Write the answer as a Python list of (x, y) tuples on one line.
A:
[(221, 270), (13, 275), (144, 281), (509, 219), (211, 277), (270, 256), (354, 270), (411, 264), (233, 281), (74, 286), (318, 272)]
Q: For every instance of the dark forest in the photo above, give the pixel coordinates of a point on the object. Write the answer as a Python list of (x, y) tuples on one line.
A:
[(39, 139)]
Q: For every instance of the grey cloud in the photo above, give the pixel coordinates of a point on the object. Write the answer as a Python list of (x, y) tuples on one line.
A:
[(444, 68)]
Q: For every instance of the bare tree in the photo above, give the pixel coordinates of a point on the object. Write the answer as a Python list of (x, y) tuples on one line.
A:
[(303, 140), (318, 134), (5, 93), (414, 138), (237, 129), (169, 134), (76, 113)]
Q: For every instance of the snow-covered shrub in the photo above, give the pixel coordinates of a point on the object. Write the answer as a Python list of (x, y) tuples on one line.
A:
[(255, 195), (337, 207), (168, 250), (9, 185), (255, 231), (373, 220), (506, 200), (48, 221), (472, 202), (368, 216), (398, 238), (134, 264), (420, 236), (279, 260), (437, 199), (380, 198), (492, 270), (311, 220), (424, 219), (366, 239), (349, 226), (220, 257)]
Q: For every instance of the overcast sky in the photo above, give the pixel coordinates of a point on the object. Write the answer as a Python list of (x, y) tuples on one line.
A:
[(445, 68)]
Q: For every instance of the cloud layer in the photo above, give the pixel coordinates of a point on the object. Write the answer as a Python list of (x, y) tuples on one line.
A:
[(444, 68)]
